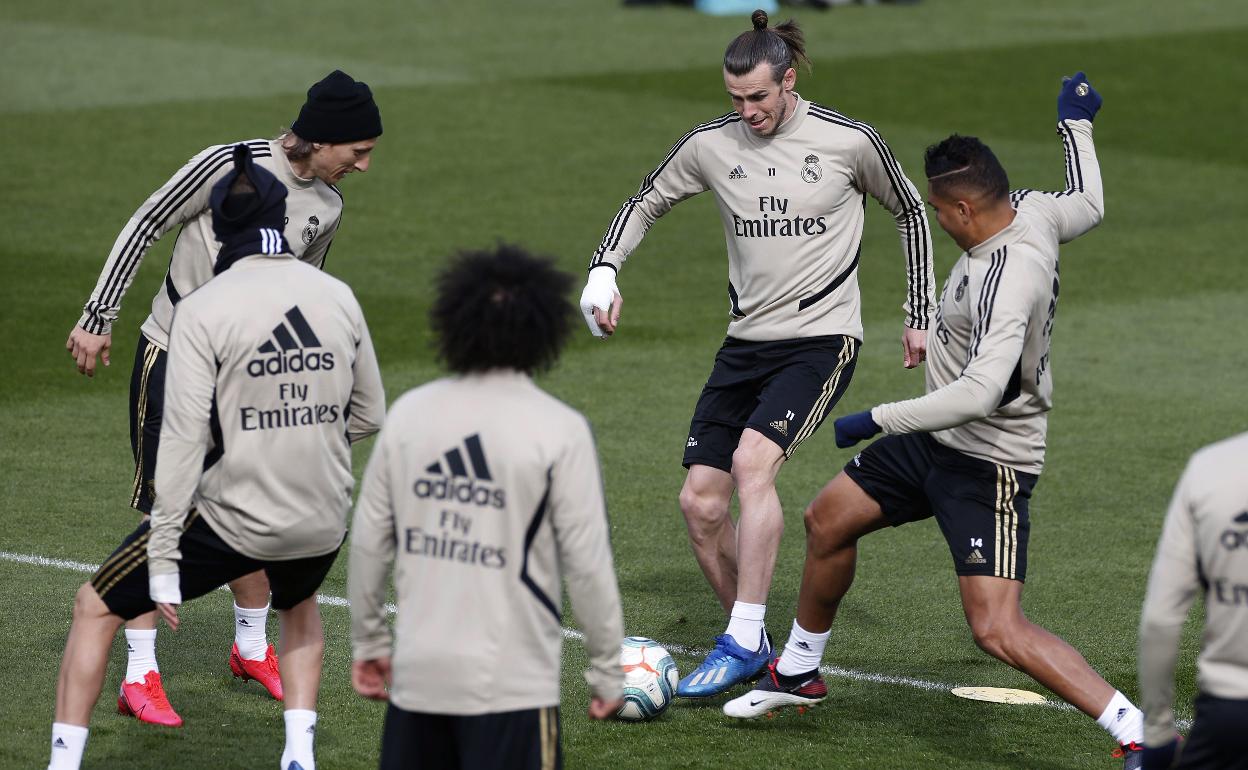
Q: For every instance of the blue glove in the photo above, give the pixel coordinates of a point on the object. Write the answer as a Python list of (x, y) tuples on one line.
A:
[(855, 427), (1159, 757), (1078, 99)]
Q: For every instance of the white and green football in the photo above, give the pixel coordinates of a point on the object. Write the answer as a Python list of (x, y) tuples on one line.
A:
[(650, 679)]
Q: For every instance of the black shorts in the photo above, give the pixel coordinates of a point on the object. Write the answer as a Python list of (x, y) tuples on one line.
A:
[(981, 507), (509, 740), (147, 404), (781, 389), (207, 563), (1217, 738)]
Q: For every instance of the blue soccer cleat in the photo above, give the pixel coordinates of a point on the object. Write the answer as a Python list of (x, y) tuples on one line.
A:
[(729, 664)]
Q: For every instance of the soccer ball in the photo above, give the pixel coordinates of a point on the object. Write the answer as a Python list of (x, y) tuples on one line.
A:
[(650, 679)]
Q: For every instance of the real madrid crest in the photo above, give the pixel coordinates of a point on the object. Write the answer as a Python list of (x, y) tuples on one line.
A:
[(811, 172), (961, 292), (309, 232)]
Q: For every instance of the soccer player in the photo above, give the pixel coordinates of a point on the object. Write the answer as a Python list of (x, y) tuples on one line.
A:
[(1203, 549), (968, 452), (271, 375), (791, 179), (333, 136), (482, 493)]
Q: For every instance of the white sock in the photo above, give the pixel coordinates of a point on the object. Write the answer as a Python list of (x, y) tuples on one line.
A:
[(300, 732), (803, 652), (141, 646), (249, 631), (68, 741), (746, 624), (1123, 720)]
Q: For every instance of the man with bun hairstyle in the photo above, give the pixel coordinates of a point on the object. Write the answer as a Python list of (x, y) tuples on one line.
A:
[(333, 136), (791, 180), (969, 452), (271, 377)]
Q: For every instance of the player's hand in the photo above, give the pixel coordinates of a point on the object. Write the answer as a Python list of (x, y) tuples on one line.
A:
[(83, 347), (913, 346), (371, 678), (604, 709), (855, 427), (1160, 757), (601, 301), (1078, 100), (170, 613)]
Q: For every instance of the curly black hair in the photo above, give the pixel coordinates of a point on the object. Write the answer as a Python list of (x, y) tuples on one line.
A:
[(501, 308), (966, 164)]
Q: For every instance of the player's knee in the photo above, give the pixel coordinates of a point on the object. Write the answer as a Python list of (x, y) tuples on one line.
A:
[(992, 637), (87, 604), (751, 467), (703, 513)]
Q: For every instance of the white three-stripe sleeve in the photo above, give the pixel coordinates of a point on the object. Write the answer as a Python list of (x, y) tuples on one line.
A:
[(1005, 305), (579, 517), (190, 385), (368, 398), (678, 177), (178, 200), (373, 547), (1081, 206), (878, 173)]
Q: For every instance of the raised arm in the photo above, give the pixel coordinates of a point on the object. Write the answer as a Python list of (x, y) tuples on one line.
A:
[(1081, 206), (678, 177)]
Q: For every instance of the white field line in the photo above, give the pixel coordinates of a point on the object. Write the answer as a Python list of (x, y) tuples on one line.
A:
[(572, 633)]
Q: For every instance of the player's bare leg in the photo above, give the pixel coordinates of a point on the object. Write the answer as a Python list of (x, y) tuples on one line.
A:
[(994, 611), (755, 465), (744, 649), (303, 648), (838, 517), (704, 500), (86, 657), (252, 657)]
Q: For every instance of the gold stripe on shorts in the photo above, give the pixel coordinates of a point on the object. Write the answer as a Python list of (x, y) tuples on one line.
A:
[(829, 390), (1005, 551), (549, 734), (149, 360), (122, 563)]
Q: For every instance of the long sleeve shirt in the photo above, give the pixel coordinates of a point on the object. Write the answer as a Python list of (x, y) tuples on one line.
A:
[(989, 378), (313, 210), (1203, 551), (793, 206), (271, 374), (482, 494)]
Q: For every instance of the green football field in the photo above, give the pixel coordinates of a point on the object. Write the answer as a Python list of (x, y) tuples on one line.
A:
[(530, 122)]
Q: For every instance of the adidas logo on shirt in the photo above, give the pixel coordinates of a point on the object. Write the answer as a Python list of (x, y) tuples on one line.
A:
[(291, 349), (452, 481), (737, 173)]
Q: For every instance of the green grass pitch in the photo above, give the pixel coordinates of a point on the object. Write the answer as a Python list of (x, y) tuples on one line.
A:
[(530, 122)]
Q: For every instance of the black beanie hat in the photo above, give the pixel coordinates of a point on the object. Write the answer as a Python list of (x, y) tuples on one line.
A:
[(339, 109), (248, 211)]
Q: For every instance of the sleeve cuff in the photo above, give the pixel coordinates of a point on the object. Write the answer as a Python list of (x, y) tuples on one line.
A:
[(607, 686), (164, 588), (372, 649)]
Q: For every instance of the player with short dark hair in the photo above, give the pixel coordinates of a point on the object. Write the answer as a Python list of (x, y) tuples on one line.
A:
[(791, 179), (1203, 550), (271, 376), (970, 451), (484, 495), (334, 135)]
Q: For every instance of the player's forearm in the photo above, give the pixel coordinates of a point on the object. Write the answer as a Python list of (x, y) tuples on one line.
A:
[(1158, 655), (104, 305), (623, 236), (962, 401), (371, 558), (596, 603), (916, 245), (1083, 204)]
